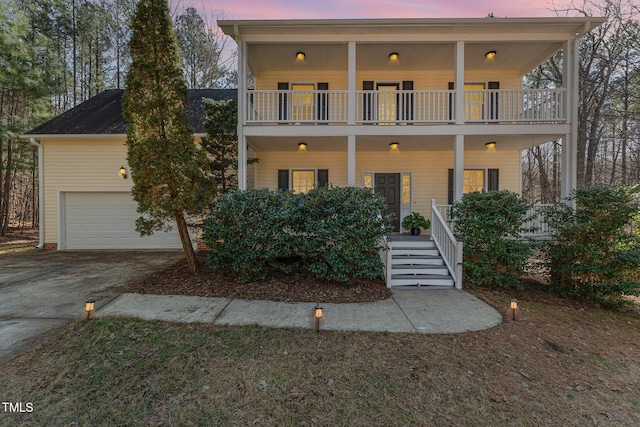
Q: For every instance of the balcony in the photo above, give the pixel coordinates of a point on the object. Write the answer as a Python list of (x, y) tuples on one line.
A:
[(420, 107)]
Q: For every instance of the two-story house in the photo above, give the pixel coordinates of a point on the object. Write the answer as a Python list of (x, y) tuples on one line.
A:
[(375, 103), (421, 110)]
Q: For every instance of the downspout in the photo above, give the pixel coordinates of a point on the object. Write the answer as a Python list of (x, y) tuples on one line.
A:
[(40, 191)]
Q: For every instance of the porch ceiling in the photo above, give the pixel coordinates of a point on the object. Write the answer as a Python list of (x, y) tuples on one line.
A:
[(519, 56), (406, 143)]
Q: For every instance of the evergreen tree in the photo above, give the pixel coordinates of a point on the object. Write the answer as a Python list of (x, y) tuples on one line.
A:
[(166, 166), (221, 143)]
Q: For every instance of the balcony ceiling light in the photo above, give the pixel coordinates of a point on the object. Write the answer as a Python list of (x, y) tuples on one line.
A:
[(490, 55), (393, 56), (300, 56), (394, 146), (490, 145), (302, 146)]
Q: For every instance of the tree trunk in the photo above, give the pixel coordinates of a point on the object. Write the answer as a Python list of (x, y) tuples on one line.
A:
[(545, 190), (4, 214), (186, 242)]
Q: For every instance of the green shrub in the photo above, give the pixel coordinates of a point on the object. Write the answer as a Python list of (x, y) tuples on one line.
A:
[(490, 225), (332, 232), (244, 231), (593, 254)]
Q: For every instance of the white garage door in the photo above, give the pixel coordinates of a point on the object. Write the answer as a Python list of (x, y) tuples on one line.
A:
[(107, 221)]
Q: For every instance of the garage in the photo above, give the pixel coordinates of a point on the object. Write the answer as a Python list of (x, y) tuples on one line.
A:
[(106, 220)]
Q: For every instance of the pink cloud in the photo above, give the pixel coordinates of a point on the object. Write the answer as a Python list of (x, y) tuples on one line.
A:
[(336, 9)]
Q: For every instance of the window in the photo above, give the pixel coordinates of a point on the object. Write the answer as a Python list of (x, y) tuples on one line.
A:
[(474, 101), (473, 180), (387, 112), (406, 189), (303, 102), (303, 181), (368, 180)]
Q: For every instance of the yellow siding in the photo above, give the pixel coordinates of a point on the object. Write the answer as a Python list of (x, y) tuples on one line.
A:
[(431, 80), (80, 165), (429, 169), (271, 161)]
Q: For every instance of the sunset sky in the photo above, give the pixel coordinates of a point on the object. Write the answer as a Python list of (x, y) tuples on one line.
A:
[(334, 9)]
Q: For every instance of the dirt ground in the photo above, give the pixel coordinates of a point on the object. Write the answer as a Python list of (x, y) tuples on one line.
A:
[(18, 240)]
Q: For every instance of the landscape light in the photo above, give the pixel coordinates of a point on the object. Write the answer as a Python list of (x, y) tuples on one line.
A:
[(318, 315), (89, 309), (514, 307)]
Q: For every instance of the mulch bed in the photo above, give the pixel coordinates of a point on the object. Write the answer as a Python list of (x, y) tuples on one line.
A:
[(295, 287)]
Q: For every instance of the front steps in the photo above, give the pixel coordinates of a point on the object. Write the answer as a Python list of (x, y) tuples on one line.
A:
[(414, 262)]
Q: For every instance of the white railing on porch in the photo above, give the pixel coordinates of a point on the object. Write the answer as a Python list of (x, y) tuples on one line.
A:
[(515, 105), (536, 226), (449, 247), (405, 106)]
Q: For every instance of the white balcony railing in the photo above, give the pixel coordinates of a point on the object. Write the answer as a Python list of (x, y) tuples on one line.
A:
[(515, 105), (403, 107), (536, 226)]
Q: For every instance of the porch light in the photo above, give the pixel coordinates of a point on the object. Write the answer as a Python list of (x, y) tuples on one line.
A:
[(302, 146), (300, 56), (393, 56), (394, 146), (514, 307), (318, 315), (490, 55), (491, 145), (123, 172), (89, 309)]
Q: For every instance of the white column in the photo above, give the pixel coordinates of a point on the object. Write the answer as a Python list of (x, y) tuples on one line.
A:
[(458, 168), (569, 165), (351, 160), (459, 82), (242, 97), (351, 96)]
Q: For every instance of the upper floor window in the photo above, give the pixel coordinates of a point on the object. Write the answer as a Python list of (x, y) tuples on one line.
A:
[(387, 103), (303, 108), (474, 101)]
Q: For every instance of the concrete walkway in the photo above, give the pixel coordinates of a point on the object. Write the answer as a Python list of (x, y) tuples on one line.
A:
[(42, 292), (424, 311)]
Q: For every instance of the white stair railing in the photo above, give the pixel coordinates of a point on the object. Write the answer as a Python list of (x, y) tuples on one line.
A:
[(450, 248)]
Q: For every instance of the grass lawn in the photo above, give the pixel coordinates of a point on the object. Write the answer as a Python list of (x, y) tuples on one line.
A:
[(557, 365)]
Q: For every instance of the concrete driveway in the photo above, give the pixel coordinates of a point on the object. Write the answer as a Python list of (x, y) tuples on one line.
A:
[(40, 292)]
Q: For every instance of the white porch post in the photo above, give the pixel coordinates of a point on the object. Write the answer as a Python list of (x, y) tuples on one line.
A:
[(569, 176), (242, 98), (458, 82), (351, 160), (458, 168), (351, 94)]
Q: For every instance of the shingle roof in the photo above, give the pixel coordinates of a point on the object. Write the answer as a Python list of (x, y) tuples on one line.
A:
[(102, 114)]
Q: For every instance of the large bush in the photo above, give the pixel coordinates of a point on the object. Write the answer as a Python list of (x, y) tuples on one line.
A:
[(594, 254), (332, 232), (490, 225)]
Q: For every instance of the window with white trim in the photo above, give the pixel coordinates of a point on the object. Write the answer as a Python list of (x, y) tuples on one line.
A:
[(303, 181), (473, 180)]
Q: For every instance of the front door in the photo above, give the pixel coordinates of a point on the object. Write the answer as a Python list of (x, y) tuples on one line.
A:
[(388, 186)]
